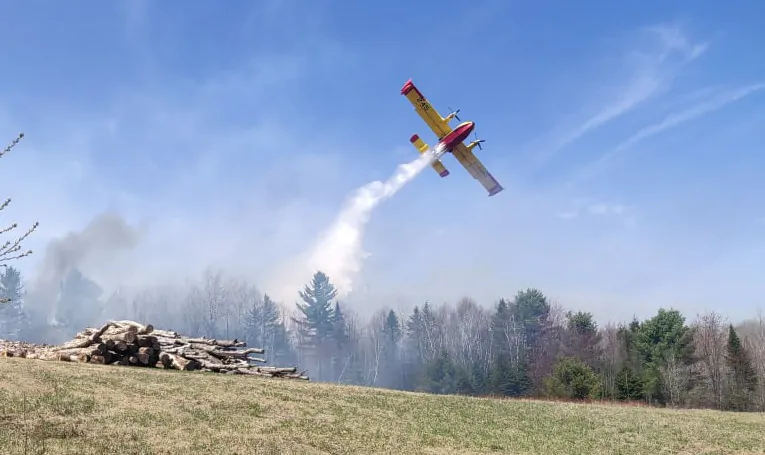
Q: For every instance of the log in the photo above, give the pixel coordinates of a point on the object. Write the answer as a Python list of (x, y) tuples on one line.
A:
[(214, 342), (178, 362), (127, 336), (268, 374), (146, 355), (140, 329), (146, 340)]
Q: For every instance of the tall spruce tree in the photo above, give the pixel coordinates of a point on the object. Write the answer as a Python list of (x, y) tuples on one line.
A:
[(743, 376), (507, 374), (13, 317), (317, 307), (414, 349), (391, 363), (316, 324)]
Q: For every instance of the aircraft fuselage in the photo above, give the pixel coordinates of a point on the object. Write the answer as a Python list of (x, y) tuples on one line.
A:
[(457, 135)]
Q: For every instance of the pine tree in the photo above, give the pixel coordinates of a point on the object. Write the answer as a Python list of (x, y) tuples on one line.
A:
[(743, 375), (479, 380), (282, 350), (442, 376), (270, 316), (414, 349), (261, 323), (341, 354), (583, 337), (13, 317), (317, 308), (391, 364), (339, 326), (508, 378), (507, 375), (657, 340), (629, 384), (78, 304), (531, 310), (254, 324), (430, 335), (572, 378), (316, 326), (501, 322)]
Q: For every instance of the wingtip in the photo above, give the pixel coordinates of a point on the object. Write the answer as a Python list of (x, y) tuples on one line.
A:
[(407, 87), (496, 190)]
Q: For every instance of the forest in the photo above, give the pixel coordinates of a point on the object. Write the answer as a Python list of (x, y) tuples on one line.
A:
[(520, 347)]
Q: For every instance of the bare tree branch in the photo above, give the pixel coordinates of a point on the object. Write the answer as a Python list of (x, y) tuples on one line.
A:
[(11, 249)]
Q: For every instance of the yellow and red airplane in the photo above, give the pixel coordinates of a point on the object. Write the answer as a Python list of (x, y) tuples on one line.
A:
[(452, 140)]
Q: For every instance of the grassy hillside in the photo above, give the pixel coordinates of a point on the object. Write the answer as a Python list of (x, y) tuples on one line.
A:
[(57, 408)]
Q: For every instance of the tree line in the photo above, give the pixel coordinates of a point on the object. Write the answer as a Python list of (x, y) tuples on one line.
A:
[(519, 347)]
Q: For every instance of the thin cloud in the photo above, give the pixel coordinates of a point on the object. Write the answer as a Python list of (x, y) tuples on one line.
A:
[(595, 208), (652, 72), (673, 120)]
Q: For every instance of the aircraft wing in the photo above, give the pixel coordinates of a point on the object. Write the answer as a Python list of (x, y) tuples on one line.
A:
[(438, 124), (467, 159)]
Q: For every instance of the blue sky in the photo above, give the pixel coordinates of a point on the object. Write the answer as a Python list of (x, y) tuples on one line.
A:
[(629, 140)]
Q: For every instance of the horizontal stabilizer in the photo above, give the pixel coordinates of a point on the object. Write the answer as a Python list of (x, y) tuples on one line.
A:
[(422, 147)]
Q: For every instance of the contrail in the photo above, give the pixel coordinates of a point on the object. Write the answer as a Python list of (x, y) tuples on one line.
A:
[(338, 251)]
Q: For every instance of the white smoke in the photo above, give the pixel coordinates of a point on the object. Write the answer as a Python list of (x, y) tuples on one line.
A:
[(338, 251)]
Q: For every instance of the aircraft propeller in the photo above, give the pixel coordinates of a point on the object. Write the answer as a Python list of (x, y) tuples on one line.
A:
[(478, 141), (455, 113)]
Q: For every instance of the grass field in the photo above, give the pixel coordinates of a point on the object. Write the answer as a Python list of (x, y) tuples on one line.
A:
[(64, 408)]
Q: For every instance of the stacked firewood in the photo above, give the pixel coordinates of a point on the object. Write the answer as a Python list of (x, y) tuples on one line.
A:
[(133, 344)]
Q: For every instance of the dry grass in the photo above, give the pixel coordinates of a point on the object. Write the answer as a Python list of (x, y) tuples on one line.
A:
[(62, 408)]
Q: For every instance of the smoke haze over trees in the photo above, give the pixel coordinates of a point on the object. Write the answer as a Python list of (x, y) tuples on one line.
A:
[(519, 346)]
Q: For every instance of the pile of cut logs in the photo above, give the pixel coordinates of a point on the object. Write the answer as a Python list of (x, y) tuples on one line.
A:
[(130, 343)]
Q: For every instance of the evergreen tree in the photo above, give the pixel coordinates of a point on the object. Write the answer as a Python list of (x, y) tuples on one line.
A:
[(317, 308), (282, 350), (479, 380), (78, 304), (629, 380), (262, 327), (443, 376), (629, 384), (508, 378), (270, 317), (254, 326), (13, 317), (341, 338), (572, 378), (657, 340), (390, 359), (583, 337), (339, 326), (507, 375), (414, 349), (501, 323), (743, 376), (531, 310), (430, 335), (316, 326)]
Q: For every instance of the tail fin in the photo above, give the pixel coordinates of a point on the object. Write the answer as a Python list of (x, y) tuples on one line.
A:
[(422, 147)]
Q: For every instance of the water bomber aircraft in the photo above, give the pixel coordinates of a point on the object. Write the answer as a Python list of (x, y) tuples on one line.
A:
[(450, 140)]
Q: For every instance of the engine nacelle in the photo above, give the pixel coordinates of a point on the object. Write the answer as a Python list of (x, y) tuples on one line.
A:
[(477, 142)]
